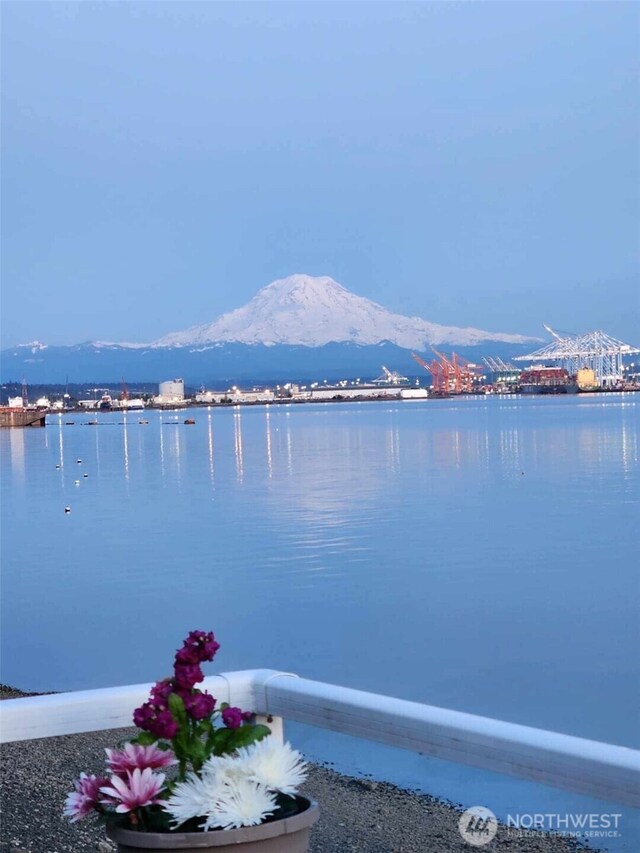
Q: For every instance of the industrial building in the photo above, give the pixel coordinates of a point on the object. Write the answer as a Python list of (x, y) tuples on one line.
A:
[(235, 395), (171, 389), (171, 393)]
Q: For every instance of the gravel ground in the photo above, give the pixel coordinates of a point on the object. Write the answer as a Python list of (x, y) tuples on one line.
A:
[(357, 815)]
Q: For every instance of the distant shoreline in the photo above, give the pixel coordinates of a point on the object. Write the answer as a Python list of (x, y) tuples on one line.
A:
[(334, 400)]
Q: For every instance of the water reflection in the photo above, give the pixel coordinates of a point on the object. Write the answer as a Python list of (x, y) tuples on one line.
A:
[(629, 442), (96, 431), (16, 440), (510, 451), (377, 521), (289, 445), (324, 480), (269, 453), (237, 434), (177, 452), (393, 448), (334, 472), (162, 469), (60, 444), (210, 441), (125, 433), (455, 449)]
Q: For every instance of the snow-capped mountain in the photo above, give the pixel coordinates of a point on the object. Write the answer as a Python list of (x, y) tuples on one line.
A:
[(303, 310), (299, 328)]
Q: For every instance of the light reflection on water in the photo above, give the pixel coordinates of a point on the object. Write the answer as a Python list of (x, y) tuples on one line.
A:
[(478, 554)]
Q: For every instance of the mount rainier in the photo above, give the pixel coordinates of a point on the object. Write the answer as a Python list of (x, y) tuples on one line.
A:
[(304, 310), (295, 328)]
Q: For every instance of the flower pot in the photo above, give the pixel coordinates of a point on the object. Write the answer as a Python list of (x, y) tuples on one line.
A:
[(290, 835)]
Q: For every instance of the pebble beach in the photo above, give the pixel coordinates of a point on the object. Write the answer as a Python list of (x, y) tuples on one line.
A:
[(357, 815)]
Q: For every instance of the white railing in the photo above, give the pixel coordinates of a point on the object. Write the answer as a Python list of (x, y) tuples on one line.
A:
[(601, 770)]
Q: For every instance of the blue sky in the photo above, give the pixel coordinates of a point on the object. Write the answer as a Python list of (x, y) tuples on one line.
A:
[(473, 164)]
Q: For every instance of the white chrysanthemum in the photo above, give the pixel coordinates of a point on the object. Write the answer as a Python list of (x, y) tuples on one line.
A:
[(241, 803), (275, 765), (224, 768), (194, 797)]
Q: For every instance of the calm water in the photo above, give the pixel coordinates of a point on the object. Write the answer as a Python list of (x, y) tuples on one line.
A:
[(476, 554)]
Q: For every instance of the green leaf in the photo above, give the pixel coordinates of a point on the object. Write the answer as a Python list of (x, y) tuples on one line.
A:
[(181, 742), (210, 742), (249, 734), (146, 739), (203, 728), (222, 742), (226, 740), (176, 706), (261, 731), (197, 755)]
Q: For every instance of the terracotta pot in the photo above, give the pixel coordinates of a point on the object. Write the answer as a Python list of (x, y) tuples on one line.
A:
[(290, 835)]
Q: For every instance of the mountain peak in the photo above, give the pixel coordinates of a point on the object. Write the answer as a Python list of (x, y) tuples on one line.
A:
[(302, 286), (307, 310)]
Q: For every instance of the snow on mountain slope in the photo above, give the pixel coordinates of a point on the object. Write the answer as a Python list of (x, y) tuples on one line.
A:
[(313, 311)]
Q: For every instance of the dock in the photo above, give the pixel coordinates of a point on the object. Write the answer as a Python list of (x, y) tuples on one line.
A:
[(15, 417)]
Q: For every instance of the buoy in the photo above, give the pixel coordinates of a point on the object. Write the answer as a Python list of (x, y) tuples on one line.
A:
[(67, 509)]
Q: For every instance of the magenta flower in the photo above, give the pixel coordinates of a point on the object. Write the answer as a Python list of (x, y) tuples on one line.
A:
[(144, 716), (84, 799), (140, 788), (199, 706), (188, 655), (187, 675), (199, 646), (160, 693), (133, 755), (156, 720), (232, 718), (164, 726)]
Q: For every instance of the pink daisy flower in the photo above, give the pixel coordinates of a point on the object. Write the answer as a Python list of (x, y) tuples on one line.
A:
[(133, 755), (140, 788), (84, 799)]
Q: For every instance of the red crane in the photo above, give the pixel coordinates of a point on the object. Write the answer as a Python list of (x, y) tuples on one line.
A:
[(451, 374), (439, 374)]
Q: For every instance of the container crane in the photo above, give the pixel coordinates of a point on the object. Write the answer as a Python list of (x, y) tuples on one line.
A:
[(451, 374), (439, 376)]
